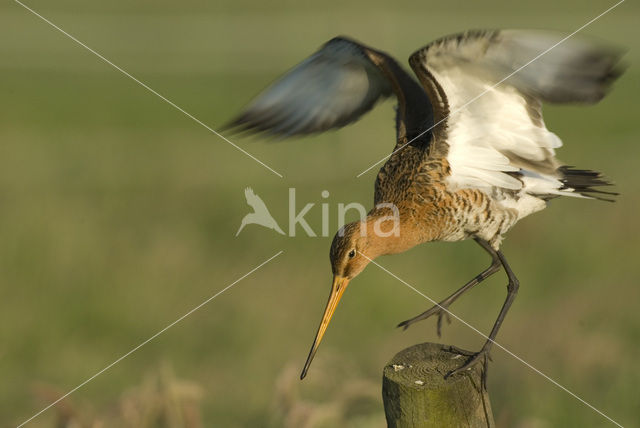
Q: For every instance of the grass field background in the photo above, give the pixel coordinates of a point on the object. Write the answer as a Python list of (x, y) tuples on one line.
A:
[(118, 215)]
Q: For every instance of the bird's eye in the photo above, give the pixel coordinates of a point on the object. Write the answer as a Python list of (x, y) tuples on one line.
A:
[(352, 254)]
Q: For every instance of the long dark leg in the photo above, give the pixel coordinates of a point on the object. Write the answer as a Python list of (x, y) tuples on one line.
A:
[(439, 308), (483, 354)]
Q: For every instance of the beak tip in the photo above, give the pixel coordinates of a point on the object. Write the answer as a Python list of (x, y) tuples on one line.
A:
[(338, 287), (304, 372)]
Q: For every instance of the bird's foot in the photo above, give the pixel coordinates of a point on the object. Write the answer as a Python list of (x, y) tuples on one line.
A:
[(440, 309), (481, 357)]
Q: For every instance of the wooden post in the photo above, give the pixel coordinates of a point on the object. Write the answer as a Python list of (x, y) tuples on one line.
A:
[(416, 395)]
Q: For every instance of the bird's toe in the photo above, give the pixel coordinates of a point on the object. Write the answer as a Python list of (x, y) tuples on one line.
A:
[(473, 360)]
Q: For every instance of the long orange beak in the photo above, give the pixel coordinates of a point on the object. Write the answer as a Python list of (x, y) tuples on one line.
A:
[(338, 287)]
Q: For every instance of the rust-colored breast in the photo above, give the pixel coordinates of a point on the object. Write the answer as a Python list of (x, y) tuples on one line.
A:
[(429, 209)]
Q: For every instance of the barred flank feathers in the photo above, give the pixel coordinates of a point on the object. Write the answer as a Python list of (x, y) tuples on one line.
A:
[(583, 181)]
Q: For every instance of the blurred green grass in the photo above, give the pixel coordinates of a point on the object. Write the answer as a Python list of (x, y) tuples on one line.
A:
[(119, 214)]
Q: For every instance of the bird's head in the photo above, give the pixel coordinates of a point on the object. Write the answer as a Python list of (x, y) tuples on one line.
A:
[(349, 256), (349, 250)]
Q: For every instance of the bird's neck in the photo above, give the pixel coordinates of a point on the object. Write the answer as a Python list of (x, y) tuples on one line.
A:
[(391, 232)]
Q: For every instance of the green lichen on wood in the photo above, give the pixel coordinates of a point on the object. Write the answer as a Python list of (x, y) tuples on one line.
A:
[(416, 394)]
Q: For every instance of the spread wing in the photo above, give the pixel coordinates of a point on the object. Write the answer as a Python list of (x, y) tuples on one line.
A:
[(495, 136), (334, 87)]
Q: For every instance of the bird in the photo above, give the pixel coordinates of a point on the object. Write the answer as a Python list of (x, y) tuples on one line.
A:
[(260, 214), (472, 154)]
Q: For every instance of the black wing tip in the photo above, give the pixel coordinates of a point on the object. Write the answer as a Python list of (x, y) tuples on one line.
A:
[(232, 126), (239, 126), (248, 124), (613, 67), (242, 126)]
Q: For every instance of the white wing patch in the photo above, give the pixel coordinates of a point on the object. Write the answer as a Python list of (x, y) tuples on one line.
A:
[(495, 128), (488, 136)]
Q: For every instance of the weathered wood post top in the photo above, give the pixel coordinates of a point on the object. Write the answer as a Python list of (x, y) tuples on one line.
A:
[(416, 394)]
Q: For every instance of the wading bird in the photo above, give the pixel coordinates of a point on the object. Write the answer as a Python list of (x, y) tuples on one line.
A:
[(472, 155)]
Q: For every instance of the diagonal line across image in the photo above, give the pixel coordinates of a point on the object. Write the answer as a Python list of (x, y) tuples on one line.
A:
[(153, 91), (151, 338), (481, 94), (280, 175), (494, 342)]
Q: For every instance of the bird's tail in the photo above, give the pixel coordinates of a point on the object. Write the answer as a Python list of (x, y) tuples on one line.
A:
[(586, 183)]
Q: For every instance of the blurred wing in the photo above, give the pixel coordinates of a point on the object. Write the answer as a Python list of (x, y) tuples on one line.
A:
[(332, 88), (496, 136)]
